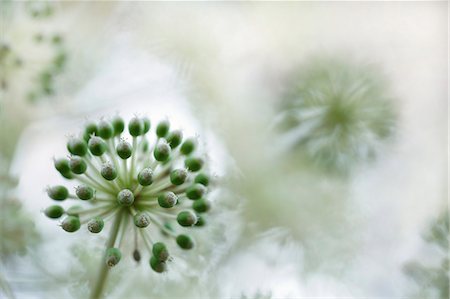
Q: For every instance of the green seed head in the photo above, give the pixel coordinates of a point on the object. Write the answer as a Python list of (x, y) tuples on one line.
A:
[(77, 165), (95, 225), (195, 191), (125, 197), (97, 146), (146, 125), (84, 192), (145, 176), (124, 149), (54, 212), (118, 125), (202, 178), (201, 206), (174, 138), (178, 176), (162, 128), (58, 192), (188, 146), (141, 220), (71, 224), (162, 152), (185, 242), (160, 251), (186, 218), (108, 171), (90, 130), (105, 129), (62, 165), (113, 256), (135, 127), (157, 265), (77, 146), (193, 164), (167, 200)]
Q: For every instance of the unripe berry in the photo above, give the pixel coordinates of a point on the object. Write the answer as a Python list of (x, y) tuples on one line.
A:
[(105, 129), (89, 130), (202, 178), (71, 224), (97, 146), (58, 192), (125, 197), (162, 152), (62, 165), (77, 165), (146, 125), (113, 256), (77, 146), (145, 177), (200, 221), (108, 172), (174, 138), (141, 220), (193, 164), (84, 192), (186, 218), (178, 176), (124, 149), (54, 212), (95, 225), (157, 265), (167, 200), (162, 128), (188, 146), (118, 125), (195, 191), (135, 127), (201, 206), (160, 251), (185, 242)]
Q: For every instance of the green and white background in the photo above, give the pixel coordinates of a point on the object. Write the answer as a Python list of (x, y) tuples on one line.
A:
[(295, 219)]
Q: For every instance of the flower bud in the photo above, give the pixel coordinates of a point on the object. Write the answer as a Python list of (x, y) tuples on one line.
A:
[(162, 128), (77, 165), (195, 191), (105, 129), (97, 146), (135, 127), (202, 178), (178, 176), (62, 165), (118, 125), (185, 242), (167, 200), (141, 220), (95, 225), (193, 164), (174, 138), (84, 192), (89, 130), (108, 172), (54, 212), (125, 197), (58, 192), (162, 152), (188, 146), (186, 218), (71, 224), (145, 177), (157, 265), (160, 251), (124, 149), (146, 125), (113, 256), (201, 206), (77, 146)]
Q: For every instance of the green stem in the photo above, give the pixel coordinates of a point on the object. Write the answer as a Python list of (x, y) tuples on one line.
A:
[(97, 290)]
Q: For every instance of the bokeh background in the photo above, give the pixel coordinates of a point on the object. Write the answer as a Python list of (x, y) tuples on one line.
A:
[(305, 210)]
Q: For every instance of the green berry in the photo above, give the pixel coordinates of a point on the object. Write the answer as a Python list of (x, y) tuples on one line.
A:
[(84, 192), (105, 129), (62, 165), (71, 224), (160, 251), (188, 146), (185, 242), (167, 200), (195, 191), (193, 164), (157, 265), (178, 176), (146, 125), (125, 197), (200, 221), (118, 125), (141, 220), (77, 165), (124, 149), (97, 146), (77, 146), (201, 206), (54, 212), (89, 130), (135, 127), (162, 128), (58, 192), (162, 152), (186, 218), (112, 257), (202, 178), (145, 177), (174, 138), (108, 172), (95, 225)]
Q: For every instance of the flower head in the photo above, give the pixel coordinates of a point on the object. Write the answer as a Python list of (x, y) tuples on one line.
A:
[(150, 189), (337, 112)]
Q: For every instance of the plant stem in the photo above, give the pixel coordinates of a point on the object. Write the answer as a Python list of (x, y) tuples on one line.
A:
[(97, 290)]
